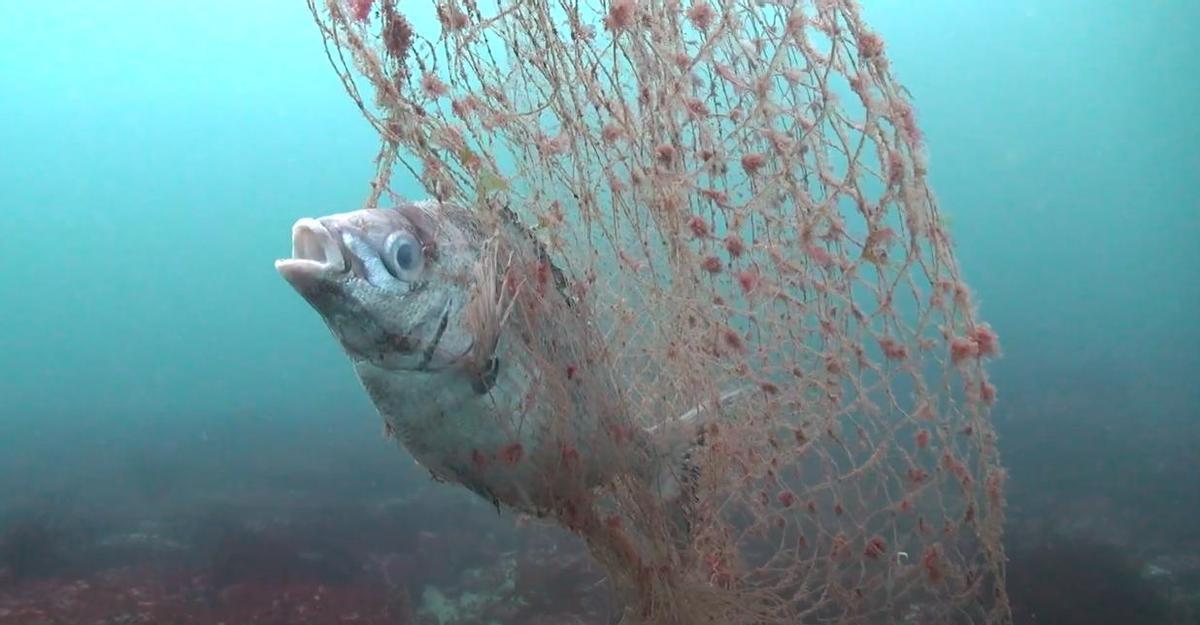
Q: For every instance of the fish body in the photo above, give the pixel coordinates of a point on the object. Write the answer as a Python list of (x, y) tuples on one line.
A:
[(472, 349)]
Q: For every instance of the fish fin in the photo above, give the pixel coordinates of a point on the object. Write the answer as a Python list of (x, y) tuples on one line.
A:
[(678, 438), (484, 380), (694, 413)]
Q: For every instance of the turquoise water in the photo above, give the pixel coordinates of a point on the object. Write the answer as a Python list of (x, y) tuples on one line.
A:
[(156, 155), (153, 156)]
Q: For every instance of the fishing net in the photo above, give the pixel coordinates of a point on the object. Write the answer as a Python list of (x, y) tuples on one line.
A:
[(731, 199)]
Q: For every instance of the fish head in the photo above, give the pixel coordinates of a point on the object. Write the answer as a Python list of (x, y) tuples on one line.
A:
[(389, 282)]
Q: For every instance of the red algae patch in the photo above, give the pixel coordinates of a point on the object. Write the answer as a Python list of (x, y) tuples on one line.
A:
[(143, 595)]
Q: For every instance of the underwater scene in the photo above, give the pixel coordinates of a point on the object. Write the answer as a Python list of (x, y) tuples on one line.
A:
[(518, 312)]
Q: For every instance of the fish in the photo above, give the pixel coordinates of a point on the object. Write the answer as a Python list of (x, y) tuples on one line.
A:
[(478, 353)]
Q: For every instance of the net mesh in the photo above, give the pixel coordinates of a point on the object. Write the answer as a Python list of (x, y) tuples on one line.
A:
[(735, 194)]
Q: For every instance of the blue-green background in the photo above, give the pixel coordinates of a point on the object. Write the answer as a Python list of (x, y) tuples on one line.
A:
[(153, 156)]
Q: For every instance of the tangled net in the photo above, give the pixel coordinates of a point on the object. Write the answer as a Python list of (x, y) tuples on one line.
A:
[(735, 193)]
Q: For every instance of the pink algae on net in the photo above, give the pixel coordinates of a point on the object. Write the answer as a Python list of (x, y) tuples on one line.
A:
[(451, 17), (893, 349), (433, 86), (748, 281), (980, 342), (734, 245), (987, 392), (621, 14), (361, 9), (962, 348), (610, 133), (931, 561), (876, 547), (870, 45), (665, 153), (753, 162), (701, 14), (986, 340)]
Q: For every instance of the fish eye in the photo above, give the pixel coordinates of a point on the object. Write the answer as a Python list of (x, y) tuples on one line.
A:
[(403, 256)]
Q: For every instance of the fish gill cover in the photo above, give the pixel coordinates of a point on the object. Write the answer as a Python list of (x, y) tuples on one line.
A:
[(733, 195)]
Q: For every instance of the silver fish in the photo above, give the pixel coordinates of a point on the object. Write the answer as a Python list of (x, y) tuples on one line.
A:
[(474, 351)]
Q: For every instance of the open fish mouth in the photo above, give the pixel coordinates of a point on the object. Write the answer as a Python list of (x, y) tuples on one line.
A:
[(315, 252)]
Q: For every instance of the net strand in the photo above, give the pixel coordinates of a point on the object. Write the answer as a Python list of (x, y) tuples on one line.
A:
[(736, 195)]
